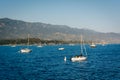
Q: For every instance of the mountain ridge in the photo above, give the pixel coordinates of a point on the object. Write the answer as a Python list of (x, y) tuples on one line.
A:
[(12, 29)]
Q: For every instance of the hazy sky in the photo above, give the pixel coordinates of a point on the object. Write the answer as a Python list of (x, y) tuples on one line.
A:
[(99, 15)]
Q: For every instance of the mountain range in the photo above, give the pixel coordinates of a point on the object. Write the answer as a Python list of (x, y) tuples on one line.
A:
[(13, 29)]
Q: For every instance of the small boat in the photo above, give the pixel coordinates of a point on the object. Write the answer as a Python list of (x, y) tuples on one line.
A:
[(26, 50), (61, 48), (78, 58), (39, 46), (93, 45), (103, 43), (82, 56), (13, 45), (71, 44)]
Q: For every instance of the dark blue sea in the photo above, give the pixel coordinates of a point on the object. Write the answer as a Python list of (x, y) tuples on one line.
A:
[(47, 63)]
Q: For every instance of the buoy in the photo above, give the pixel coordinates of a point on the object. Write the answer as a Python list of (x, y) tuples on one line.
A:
[(65, 58)]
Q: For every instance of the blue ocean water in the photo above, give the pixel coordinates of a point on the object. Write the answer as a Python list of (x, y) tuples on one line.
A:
[(47, 63)]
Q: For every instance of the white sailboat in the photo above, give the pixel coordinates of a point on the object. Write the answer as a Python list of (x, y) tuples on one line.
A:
[(39, 45), (80, 57), (103, 43), (93, 45), (61, 48), (13, 45), (26, 50)]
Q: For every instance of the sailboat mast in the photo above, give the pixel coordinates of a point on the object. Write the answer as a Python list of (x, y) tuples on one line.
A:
[(81, 45), (84, 48), (28, 40)]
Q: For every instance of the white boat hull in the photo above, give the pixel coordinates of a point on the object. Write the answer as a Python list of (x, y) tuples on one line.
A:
[(13, 46), (93, 46), (26, 50), (39, 46), (60, 48), (78, 58)]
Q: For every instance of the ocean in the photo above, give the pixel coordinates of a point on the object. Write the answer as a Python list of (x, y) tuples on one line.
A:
[(47, 63)]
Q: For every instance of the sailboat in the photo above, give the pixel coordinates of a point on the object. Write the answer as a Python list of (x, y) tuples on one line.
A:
[(39, 45), (82, 56), (13, 45), (61, 48), (103, 43), (26, 50), (93, 45)]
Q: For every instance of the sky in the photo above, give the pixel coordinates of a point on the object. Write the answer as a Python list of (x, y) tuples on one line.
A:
[(98, 15)]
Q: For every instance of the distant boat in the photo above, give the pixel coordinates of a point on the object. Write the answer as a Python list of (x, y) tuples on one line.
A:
[(13, 45), (39, 46), (61, 48), (26, 50), (103, 43), (93, 45), (71, 44), (82, 56)]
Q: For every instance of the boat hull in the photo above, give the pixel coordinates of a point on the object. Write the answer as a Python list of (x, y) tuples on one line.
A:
[(78, 58), (93, 45), (60, 48), (39, 46), (26, 50)]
